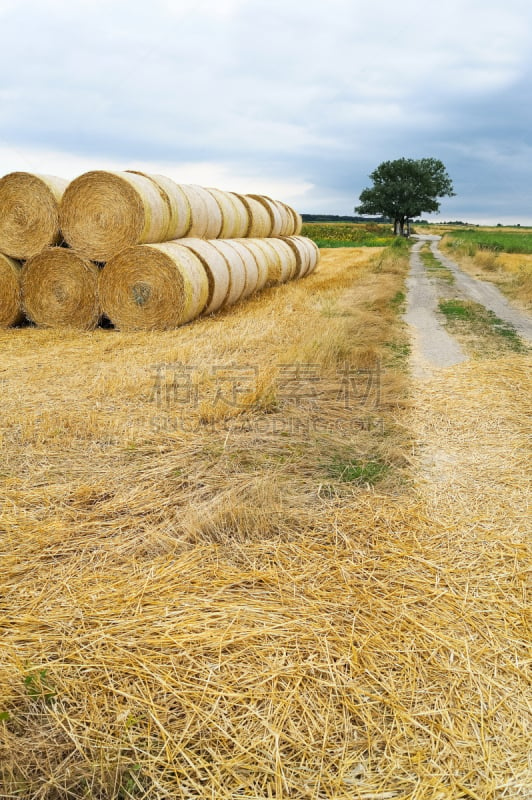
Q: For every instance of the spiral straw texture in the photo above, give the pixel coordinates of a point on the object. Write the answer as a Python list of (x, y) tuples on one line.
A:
[(29, 214), (60, 289), (153, 287), (10, 294)]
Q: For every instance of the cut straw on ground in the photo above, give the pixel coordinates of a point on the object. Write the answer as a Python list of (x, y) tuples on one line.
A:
[(195, 604)]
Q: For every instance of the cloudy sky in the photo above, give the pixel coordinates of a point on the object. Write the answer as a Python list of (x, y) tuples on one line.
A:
[(300, 100)]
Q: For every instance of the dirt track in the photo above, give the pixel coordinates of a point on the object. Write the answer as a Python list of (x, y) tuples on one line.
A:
[(433, 346)]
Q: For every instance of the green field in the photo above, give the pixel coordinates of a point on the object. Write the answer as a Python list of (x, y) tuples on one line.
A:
[(348, 234), (497, 241)]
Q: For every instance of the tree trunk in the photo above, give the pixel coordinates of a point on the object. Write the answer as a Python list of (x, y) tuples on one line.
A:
[(399, 226)]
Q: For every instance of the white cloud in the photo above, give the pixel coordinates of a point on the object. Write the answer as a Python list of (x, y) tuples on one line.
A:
[(299, 95)]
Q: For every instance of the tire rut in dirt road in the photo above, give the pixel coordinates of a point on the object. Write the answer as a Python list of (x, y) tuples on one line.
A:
[(484, 293), (433, 346)]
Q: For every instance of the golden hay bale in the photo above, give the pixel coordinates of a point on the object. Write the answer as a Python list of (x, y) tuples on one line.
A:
[(179, 214), (301, 252), (153, 287), (10, 295), (273, 260), (237, 270), (235, 218), (287, 262), (275, 213), (260, 224), (250, 266), (217, 271), (60, 289), (29, 216), (314, 251), (206, 214), (261, 258), (102, 212)]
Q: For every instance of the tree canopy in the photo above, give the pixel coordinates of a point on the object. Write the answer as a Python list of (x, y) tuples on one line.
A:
[(404, 189)]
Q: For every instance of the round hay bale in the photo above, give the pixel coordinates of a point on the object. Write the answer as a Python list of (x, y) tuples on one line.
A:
[(250, 266), (299, 223), (29, 213), (314, 252), (274, 212), (260, 254), (60, 290), (289, 217), (235, 219), (237, 270), (260, 224), (302, 254), (175, 199), (287, 261), (273, 260), (102, 212), (206, 214), (10, 294), (153, 287), (217, 270)]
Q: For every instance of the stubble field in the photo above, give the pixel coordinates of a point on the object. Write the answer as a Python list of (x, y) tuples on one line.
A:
[(237, 563)]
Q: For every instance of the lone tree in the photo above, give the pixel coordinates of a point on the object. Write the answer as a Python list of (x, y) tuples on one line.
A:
[(404, 189)]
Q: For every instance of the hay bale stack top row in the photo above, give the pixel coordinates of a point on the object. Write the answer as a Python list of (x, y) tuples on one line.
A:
[(101, 213)]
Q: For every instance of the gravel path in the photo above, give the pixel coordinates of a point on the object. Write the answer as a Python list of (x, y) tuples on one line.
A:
[(485, 293), (432, 345)]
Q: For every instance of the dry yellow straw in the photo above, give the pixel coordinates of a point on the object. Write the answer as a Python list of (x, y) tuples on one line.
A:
[(60, 289), (217, 271), (153, 287), (29, 218), (10, 296), (103, 212)]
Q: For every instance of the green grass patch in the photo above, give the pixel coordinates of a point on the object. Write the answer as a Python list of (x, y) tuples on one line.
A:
[(483, 321), (343, 234), (498, 242), (432, 265), (359, 472)]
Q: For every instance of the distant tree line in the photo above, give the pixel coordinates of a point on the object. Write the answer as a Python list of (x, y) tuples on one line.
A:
[(337, 218)]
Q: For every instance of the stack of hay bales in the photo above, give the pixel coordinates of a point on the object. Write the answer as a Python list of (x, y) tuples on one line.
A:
[(144, 251)]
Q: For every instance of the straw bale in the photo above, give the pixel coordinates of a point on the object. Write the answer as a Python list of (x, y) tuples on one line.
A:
[(273, 259), (260, 223), (261, 258), (297, 220), (60, 289), (29, 217), (153, 287), (103, 212), (10, 295), (217, 271), (237, 270), (314, 254), (235, 218), (302, 253), (250, 265), (287, 262), (180, 218), (275, 212), (206, 214)]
